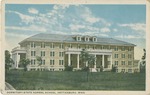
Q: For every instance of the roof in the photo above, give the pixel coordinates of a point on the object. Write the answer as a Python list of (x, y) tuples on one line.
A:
[(42, 37)]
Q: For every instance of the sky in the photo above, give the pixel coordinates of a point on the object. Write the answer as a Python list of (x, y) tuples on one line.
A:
[(122, 22)]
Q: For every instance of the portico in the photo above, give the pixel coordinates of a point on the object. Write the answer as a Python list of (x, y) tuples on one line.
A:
[(17, 54), (103, 58)]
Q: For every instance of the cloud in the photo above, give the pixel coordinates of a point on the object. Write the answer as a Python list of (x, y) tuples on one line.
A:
[(76, 27), (128, 36), (105, 29), (135, 26), (115, 30), (87, 15), (27, 28), (33, 11), (24, 18)]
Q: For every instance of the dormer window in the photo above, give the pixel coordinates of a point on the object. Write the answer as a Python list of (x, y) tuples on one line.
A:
[(94, 39), (78, 38), (86, 39)]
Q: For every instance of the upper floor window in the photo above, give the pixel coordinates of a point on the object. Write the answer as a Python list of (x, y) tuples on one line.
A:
[(129, 56), (61, 62), (43, 62), (116, 48), (116, 55), (42, 53), (94, 39), (52, 53), (42, 45), (78, 46), (78, 38), (52, 45), (61, 54), (33, 61), (129, 62), (32, 45), (86, 38), (123, 63), (70, 46), (129, 49), (116, 62), (61, 46), (123, 55), (123, 48), (33, 53), (52, 62)]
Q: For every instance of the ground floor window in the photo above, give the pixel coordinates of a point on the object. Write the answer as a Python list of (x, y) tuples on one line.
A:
[(130, 70)]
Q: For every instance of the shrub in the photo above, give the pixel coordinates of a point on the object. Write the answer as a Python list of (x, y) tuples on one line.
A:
[(68, 68), (85, 69), (114, 68)]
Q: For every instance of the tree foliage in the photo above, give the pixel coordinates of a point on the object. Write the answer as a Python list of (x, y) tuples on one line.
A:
[(8, 60), (39, 60), (68, 68), (24, 62)]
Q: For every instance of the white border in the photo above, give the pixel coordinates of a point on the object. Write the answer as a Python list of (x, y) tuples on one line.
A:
[(2, 42)]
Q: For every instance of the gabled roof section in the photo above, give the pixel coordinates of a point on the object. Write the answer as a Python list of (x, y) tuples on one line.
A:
[(70, 38)]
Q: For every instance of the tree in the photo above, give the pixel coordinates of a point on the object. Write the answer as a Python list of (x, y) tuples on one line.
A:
[(87, 58), (8, 60), (91, 59), (24, 62), (84, 56), (143, 62), (39, 59)]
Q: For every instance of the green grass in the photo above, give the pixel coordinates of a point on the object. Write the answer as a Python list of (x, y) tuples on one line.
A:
[(35, 80)]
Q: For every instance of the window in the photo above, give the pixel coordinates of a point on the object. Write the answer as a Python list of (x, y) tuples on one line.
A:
[(42, 45), (52, 62), (116, 62), (61, 62), (94, 39), (61, 46), (129, 56), (129, 49), (78, 46), (43, 62), (94, 47), (61, 54), (52, 53), (86, 39), (78, 38), (116, 55), (123, 48), (32, 45), (33, 53), (116, 48), (123, 63), (129, 62), (130, 70), (42, 53), (70, 45), (52, 45), (122, 70), (123, 55), (33, 61)]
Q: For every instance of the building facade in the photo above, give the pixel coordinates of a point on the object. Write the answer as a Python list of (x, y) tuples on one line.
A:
[(57, 51)]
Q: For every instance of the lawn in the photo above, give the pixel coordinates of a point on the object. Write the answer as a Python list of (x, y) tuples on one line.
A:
[(36, 80)]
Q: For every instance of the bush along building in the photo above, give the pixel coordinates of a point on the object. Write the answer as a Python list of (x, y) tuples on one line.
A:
[(56, 51)]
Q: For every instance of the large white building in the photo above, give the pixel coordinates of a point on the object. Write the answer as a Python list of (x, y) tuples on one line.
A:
[(57, 51)]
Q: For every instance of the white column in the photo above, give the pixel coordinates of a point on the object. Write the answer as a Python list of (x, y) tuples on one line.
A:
[(103, 61), (18, 59), (111, 61), (86, 64), (95, 63), (69, 59), (77, 61)]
